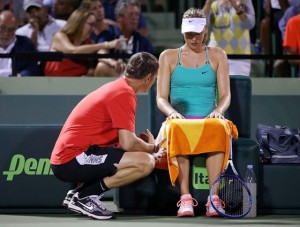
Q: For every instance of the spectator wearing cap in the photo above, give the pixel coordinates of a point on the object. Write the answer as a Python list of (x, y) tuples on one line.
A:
[(11, 43), (41, 26)]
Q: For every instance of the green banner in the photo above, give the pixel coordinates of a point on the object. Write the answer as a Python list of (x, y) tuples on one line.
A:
[(200, 176)]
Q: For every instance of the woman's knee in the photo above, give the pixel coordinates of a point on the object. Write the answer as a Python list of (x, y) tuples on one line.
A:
[(103, 70)]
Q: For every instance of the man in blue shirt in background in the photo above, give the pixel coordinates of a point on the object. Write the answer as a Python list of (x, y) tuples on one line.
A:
[(127, 16)]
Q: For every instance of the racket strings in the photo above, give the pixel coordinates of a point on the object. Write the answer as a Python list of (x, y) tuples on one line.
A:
[(230, 191)]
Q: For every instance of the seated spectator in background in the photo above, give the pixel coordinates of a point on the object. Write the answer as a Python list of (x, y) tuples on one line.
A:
[(290, 12), (103, 31), (109, 8), (264, 34), (74, 38), (15, 7), (230, 22), (11, 43), (41, 26), (62, 9), (127, 16), (277, 8), (291, 41)]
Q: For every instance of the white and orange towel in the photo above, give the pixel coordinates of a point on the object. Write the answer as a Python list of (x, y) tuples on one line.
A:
[(194, 136)]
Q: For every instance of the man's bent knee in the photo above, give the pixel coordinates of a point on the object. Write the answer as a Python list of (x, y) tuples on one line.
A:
[(146, 164)]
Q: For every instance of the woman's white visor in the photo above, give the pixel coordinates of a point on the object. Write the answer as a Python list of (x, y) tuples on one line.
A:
[(193, 25)]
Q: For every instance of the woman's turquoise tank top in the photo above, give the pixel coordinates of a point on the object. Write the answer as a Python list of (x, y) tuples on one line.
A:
[(193, 90)]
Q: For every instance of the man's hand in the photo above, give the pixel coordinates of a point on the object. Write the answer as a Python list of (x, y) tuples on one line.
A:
[(147, 137), (34, 23)]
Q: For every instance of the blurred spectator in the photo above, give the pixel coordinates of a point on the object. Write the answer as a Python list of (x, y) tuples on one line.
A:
[(290, 12), (74, 38), (144, 7), (109, 8), (157, 6), (127, 16), (41, 26), (11, 43), (48, 4), (103, 30), (274, 9), (61, 9), (15, 7), (264, 33), (230, 22), (284, 4), (277, 9), (292, 39)]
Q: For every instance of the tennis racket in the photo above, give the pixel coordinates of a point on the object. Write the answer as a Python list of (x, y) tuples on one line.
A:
[(235, 197)]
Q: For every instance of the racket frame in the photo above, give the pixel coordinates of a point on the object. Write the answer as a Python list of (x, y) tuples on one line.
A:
[(236, 176)]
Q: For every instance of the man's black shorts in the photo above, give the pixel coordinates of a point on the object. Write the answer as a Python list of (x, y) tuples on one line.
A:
[(93, 164)]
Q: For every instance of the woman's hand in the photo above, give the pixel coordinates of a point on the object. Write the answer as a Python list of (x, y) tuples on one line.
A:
[(160, 154), (158, 145), (175, 115), (116, 43), (216, 114), (237, 5), (159, 151)]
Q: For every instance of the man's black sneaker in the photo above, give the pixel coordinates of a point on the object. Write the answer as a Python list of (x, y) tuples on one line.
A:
[(68, 198), (90, 206)]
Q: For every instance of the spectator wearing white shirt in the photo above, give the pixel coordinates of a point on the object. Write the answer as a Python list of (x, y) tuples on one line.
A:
[(41, 26)]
